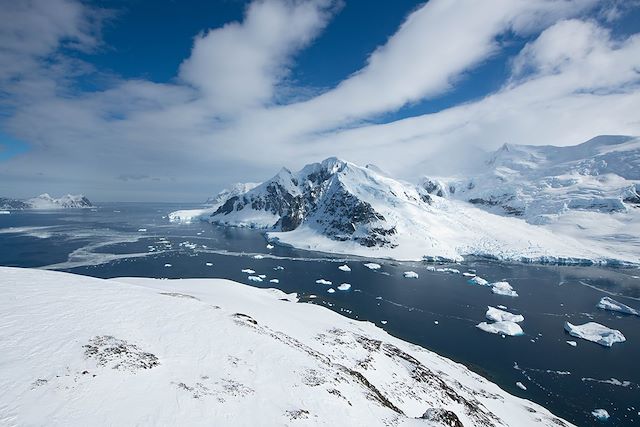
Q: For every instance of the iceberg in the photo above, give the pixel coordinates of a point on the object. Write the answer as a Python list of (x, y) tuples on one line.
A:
[(609, 304), (497, 315), (372, 266), (255, 278), (595, 332), (323, 282), (477, 280), (331, 290), (248, 271), (344, 267), (572, 343), (503, 288), (344, 287), (209, 264), (410, 274), (504, 327), (521, 386), (600, 414), (274, 280)]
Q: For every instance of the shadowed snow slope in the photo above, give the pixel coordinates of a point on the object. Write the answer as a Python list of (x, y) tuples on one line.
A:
[(337, 206), (83, 351)]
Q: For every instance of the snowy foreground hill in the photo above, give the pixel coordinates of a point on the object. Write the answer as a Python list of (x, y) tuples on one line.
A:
[(45, 201), (82, 351), (534, 204)]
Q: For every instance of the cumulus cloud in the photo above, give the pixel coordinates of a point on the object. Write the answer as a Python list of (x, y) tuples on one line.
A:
[(219, 121)]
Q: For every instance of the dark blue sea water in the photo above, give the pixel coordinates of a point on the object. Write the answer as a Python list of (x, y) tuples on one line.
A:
[(570, 381)]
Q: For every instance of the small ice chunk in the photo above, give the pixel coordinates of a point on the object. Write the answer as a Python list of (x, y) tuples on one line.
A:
[(600, 414), (607, 303), (278, 267), (372, 266), (323, 282), (258, 256), (344, 287), (502, 307), (378, 297), (167, 265), (209, 264), (504, 327), (248, 271), (142, 230), (270, 246), (521, 386), (448, 270), (255, 278), (435, 322), (344, 267), (467, 274), (384, 322), (410, 274), (595, 332), (431, 268), (497, 315), (572, 343), (262, 276), (503, 288), (5, 213), (477, 280), (331, 290), (274, 281)]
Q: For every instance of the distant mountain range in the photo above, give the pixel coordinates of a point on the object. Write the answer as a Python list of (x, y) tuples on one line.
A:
[(544, 204), (45, 201)]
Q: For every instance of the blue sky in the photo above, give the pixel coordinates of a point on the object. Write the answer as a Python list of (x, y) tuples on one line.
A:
[(173, 100)]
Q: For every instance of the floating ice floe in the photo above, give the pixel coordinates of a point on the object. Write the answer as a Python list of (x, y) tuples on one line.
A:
[(572, 343), (248, 271), (504, 327), (255, 278), (167, 265), (270, 246), (344, 267), (323, 282), (372, 266), (410, 274), (448, 270), (477, 280), (435, 322), (278, 267), (331, 290), (467, 274), (384, 322), (503, 288), (274, 280), (607, 303), (595, 332), (502, 307), (431, 268), (142, 230), (258, 256), (600, 414), (209, 264), (497, 315), (262, 276), (344, 287), (521, 386)]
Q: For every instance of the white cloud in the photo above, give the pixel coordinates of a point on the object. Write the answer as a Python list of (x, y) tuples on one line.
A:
[(217, 122)]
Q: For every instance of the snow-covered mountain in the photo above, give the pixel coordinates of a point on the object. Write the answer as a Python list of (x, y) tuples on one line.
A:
[(337, 206), (78, 351), (541, 182), (45, 201), (235, 190)]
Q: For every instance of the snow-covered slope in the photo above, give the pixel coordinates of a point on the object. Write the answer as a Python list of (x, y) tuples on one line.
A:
[(541, 182), (212, 203), (337, 206), (45, 201), (78, 351)]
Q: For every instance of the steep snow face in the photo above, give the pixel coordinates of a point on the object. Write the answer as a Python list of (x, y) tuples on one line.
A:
[(45, 201), (538, 182), (187, 216), (82, 351)]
